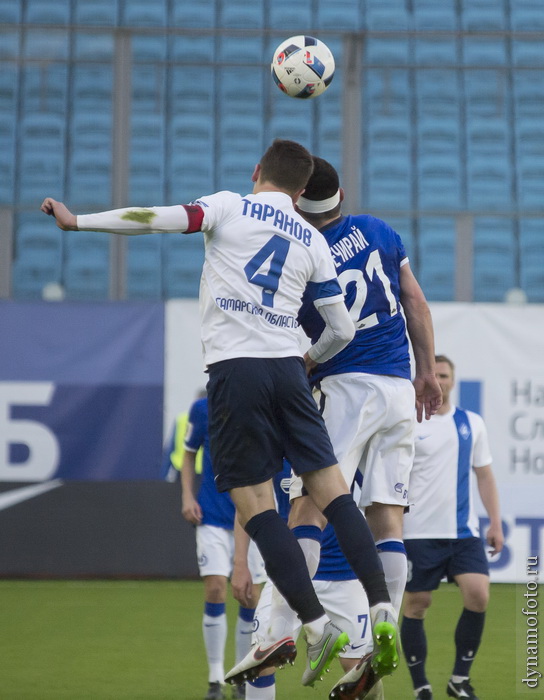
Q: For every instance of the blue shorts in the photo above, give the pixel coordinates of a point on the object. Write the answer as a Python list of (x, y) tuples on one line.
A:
[(260, 411), (430, 560)]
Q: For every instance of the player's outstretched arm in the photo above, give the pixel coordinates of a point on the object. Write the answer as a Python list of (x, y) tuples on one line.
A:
[(420, 330), (129, 221)]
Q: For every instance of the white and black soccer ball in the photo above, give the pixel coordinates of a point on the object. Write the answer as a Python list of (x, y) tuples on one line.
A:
[(303, 67)]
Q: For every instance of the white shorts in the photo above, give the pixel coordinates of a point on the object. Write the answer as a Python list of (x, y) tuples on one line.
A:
[(215, 552), (370, 419), (346, 604)]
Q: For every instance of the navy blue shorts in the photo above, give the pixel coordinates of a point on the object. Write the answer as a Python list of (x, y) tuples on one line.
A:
[(260, 411), (429, 561)]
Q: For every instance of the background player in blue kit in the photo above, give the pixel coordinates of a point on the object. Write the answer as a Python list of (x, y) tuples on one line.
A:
[(260, 256), (365, 392), (213, 515), (441, 534)]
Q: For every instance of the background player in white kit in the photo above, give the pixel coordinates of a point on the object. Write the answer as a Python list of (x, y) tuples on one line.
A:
[(365, 392), (441, 533), (260, 256)]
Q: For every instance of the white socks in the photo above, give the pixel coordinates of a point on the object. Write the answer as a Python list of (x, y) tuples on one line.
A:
[(214, 629)]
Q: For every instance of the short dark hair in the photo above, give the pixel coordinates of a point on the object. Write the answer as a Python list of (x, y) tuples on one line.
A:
[(323, 183), (287, 164), (443, 358)]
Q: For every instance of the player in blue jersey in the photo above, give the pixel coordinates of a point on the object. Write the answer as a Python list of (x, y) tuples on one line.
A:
[(365, 392), (213, 514), (441, 534), (260, 255)]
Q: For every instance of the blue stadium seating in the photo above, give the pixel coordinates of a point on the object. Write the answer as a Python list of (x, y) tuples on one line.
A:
[(192, 91), (435, 51), (437, 93), (436, 254), (386, 15), (488, 182), (142, 13), (438, 181), (50, 12), (527, 53), (531, 238), (234, 171), (10, 11), (10, 44), (92, 87), (240, 14), (96, 12), (528, 93), (404, 227), (86, 271), (341, 14), (148, 88), (483, 15), (386, 93), (388, 51), (90, 178), (196, 50), (91, 132), (149, 48), (487, 96), (235, 49), (429, 14), (494, 258), (183, 260), (297, 16), (146, 180), (193, 14), (32, 272), (93, 46), (484, 51), (388, 183), (8, 90), (531, 186), (527, 15), (45, 88), (144, 278)]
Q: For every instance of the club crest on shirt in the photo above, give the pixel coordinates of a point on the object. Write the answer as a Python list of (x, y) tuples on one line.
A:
[(464, 431)]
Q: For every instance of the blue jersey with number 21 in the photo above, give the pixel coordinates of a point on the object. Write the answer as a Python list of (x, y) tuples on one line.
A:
[(368, 256)]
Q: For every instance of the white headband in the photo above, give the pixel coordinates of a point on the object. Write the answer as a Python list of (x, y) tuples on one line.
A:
[(318, 206)]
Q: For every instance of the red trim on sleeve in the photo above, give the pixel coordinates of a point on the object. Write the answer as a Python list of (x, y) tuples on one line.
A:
[(195, 214)]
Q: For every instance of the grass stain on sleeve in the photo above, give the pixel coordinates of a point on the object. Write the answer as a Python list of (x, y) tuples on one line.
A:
[(140, 216)]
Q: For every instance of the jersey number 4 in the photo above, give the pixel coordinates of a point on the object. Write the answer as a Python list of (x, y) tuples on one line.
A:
[(264, 268), (373, 267)]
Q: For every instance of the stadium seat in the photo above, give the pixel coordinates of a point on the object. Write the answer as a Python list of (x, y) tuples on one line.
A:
[(93, 46), (527, 15), (190, 176), (192, 91), (149, 48), (142, 13), (35, 235), (45, 89), (192, 133), (437, 93), (489, 183), (527, 53), (183, 260), (494, 235), (531, 237), (484, 51), (241, 134), (429, 14), (146, 180), (387, 51), (487, 95), (86, 270), (240, 49), (439, 181), (234, 101), (97, 12), (92, 87), (50, 12), (341, 14), (388, 183), (436, 52), (436, 254), (192, 14), (386, 93), (9, 89), (148, 88), (483, 15), (10, 11), (32, 272), (144, 275), (298, 17), (404, 227), (90, 177), (234, 171), (91, 132), (494, 275), (385, 15), (193, 50), (528, 93), (10, 45), (240, 14), (531, 187)]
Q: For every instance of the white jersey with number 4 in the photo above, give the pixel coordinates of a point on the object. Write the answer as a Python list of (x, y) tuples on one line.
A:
[(260, 257), (441, 483)]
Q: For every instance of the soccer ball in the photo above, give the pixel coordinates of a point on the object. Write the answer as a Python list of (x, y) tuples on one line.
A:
[(303, 67)]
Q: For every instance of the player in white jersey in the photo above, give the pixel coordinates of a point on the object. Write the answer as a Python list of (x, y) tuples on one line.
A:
[(441, 533), (260, 256), (365, 392)]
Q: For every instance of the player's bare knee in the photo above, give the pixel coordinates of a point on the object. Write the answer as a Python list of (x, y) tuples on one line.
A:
[(215, 589), (417, 604)]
